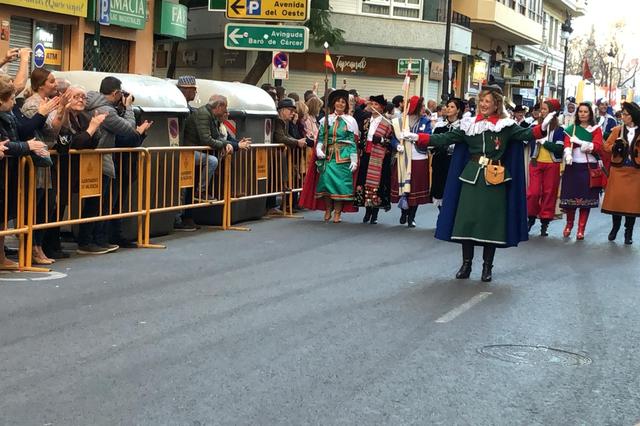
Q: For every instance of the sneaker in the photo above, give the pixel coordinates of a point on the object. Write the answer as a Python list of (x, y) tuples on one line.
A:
[(125, 243), (92, 249), (110, 247)]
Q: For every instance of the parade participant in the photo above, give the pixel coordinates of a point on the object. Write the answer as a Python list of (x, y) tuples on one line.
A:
[(569, 115), (373, 188), (606, 121), (419, 182), (479, 206), (337, 158), (441, 157), (581, 141), (534, 115), (622, 197), (544, 170), (518, 116)]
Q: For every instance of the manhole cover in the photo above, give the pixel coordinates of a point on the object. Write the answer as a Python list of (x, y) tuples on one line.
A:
[(533, 355)]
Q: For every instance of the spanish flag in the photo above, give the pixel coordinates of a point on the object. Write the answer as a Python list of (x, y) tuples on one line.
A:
[(328, 63)]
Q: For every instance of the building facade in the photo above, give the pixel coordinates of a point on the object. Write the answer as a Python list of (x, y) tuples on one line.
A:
[(377, 34), (65, 28)]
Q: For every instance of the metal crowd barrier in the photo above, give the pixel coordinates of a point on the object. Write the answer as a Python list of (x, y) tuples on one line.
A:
[(18, 208), (182, 182), (298, 161), (74, 191)]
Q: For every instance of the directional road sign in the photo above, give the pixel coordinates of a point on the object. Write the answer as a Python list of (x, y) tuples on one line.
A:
[(269, 10), (403, 64), (217, 5), (266, 37)]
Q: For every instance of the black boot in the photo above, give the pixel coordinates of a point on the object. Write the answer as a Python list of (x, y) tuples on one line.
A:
[(616, 221), (488, 255), (628, 230), (411, 223), (367, 215), (403, 216), (544, 226), (531, 222), (374, 215), (467, 258)]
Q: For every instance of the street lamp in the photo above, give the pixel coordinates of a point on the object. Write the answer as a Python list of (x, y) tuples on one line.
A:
[(565, 33), (613, 52)]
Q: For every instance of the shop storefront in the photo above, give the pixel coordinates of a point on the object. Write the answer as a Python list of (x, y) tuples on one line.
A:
[(66, 34)]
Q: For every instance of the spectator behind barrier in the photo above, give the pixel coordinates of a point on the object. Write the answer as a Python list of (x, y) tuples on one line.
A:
[(202, 128), (12, 142), (120, 123), (84, 134)]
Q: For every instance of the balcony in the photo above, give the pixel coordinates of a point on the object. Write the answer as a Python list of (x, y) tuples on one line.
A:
[(576, 8), (499, 22)]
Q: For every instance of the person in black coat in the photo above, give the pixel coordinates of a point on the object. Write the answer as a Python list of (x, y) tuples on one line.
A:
[(14, 132)]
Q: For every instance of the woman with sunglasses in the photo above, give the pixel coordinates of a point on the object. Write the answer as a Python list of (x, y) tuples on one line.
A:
[(582, 140), (622, 197)]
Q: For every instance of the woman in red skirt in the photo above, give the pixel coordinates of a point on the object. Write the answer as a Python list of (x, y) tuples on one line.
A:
[(419, 182)]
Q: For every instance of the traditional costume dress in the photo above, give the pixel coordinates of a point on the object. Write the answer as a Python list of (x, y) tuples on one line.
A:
[(622, 197), (440, 160), (418, 188), (373, 187), (544, 174), (475, 211), (576, 192), (330, 179)]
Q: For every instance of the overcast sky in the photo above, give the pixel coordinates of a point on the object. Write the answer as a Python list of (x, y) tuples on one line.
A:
[(604, 13)]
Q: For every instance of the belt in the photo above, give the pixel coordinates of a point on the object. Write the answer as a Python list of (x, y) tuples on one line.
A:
[(483, 160)]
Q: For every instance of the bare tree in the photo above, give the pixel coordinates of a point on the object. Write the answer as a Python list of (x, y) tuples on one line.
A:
[(622, 69)]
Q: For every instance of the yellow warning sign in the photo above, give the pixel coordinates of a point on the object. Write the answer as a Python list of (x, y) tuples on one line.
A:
[(187, 166), (261, 164), (90, 175)]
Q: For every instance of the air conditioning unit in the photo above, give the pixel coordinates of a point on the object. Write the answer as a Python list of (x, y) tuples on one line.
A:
[(523, 68)]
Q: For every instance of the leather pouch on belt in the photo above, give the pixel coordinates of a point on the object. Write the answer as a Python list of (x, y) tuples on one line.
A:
[(494, 173)]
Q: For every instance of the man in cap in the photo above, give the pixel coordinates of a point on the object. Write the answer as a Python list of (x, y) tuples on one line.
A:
[(373, 188), (184, 222), (518, 115)]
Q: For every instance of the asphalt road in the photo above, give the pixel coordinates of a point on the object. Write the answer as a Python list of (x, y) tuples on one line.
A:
[(301, 322)]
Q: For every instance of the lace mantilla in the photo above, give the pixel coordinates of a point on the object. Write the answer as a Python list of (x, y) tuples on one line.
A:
[(471, 128)]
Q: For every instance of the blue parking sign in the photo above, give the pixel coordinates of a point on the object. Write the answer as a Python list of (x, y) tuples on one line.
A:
[(38, 55), (254, 7)]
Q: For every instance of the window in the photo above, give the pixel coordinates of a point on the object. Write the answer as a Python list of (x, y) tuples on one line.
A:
[(393, 8)]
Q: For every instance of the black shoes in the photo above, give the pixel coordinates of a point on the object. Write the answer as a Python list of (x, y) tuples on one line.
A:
[(531, 222), (614, 232), (486, 272), (628, 236), (403, 217), (367, 215), (544, 227), (411, 223), (465, 270)]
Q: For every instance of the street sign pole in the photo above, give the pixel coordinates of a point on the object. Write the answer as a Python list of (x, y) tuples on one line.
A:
[(422, 76)]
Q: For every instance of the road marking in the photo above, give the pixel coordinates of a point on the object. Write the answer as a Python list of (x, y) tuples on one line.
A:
[(455, 312), (53, 275)]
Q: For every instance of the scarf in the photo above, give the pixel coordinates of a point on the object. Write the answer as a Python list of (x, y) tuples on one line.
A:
[(374, 171)]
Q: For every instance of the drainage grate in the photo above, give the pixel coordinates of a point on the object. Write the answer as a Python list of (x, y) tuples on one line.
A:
[(534, 355)]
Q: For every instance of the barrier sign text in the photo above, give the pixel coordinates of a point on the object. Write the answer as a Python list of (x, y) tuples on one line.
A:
[(261, 164), (187, 165), (90, 175)]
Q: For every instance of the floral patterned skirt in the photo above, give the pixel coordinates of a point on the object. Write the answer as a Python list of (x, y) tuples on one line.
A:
[(575, 192)]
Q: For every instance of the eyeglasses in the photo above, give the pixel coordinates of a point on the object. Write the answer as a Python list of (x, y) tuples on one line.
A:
[(79, 97), (625, 113)]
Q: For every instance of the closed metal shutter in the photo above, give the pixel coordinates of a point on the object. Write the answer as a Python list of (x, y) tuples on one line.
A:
[(20, 35)]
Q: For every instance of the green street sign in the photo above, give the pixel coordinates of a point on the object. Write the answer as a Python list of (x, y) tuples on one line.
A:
[(403, 64), (218, 5), (266, 37), (128, 13)]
